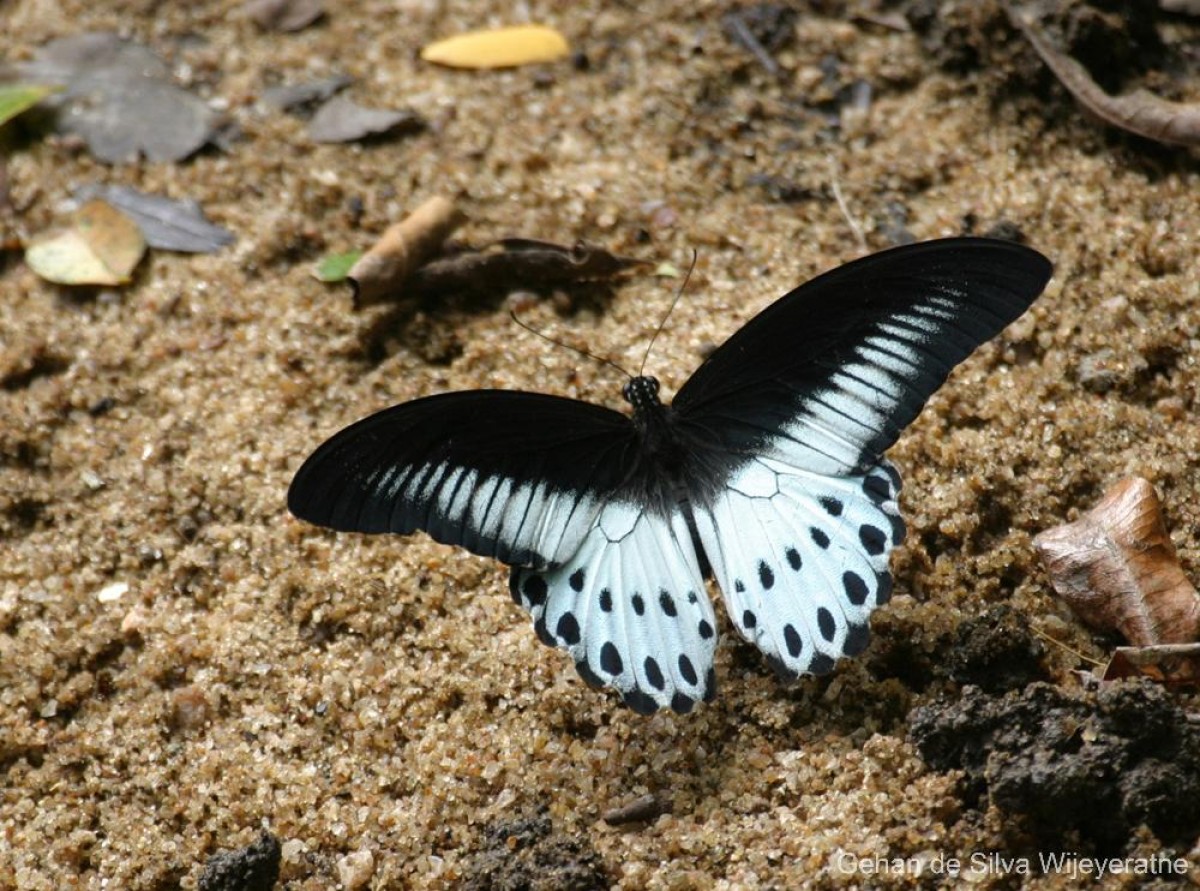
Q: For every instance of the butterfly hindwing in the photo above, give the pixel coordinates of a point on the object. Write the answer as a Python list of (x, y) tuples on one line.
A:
[(802, 559), (631, 609)]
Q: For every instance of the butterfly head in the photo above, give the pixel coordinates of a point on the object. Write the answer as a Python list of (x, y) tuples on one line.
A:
[(642, 393)]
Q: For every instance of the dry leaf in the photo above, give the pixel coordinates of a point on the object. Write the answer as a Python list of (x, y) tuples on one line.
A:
[(304, 96), (101, 248), (341, 119), (1172, 664), (120, 98), (383, 270), (166, 224), (515, 263), (499, 48), (1139, 112), (1116, 567), (283, 15)]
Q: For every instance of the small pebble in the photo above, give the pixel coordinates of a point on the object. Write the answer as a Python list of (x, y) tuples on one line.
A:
[(355, 870)]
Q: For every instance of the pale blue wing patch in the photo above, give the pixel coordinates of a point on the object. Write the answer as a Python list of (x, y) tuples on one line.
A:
[(630, 608), (802, 558)]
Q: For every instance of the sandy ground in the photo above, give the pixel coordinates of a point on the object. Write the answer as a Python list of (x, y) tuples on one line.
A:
[(380, 705)]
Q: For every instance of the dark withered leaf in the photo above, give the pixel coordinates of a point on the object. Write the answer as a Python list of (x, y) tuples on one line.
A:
[(341, 119), (167, 224), (296, 97), (120, 98), (1176, 665), (283, 15), (518, 263), (1139, 112)]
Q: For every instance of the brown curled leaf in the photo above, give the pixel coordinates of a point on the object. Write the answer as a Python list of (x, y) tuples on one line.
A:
[(1170, 664), (385, 269), (1116, 567), (1139, 112), (519, 263), (640, 810)]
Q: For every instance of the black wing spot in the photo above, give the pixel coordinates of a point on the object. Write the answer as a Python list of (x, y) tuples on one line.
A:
[(639, 605), (706, 630), (654, 674), (534, 589), (749, 620), (642, 703), (710, 685), (876, 488), (568, 628), (873, 539), (606, 600), (820, 539), (610, 659), (765, 575), (832, 506), (692, 598), (781, 669), (738, 586), (857, 637), (793, 558), (826, 623), (576, 581), (899, 530), (883, 593), (543, 633), (893, 475), (856, 588), (687, 670), (668, 604), (793, 640), (589, 677), (682, 703), (821, 664)]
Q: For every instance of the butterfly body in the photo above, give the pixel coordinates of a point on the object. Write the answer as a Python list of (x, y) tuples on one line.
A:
[(766, 473)]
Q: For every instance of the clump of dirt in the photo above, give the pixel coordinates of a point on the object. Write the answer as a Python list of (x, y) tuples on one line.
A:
[(252, 868), (1079, 767), (995, 651), (529, 854)]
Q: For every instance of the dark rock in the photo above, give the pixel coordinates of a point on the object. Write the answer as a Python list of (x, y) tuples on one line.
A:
[(252, 868)]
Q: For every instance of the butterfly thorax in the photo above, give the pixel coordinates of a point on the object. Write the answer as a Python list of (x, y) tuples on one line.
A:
[(668, 470)]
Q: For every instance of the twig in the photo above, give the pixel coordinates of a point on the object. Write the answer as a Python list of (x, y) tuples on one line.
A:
[(836, 188)]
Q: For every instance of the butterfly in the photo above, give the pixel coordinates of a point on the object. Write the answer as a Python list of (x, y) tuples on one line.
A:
[(766, 473)]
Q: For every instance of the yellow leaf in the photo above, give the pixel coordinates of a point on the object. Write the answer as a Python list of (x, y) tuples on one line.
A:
[(101, 248), (499, 48)]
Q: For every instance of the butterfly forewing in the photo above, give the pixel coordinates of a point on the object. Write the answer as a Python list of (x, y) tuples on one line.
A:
[(828, 376), (515, 476)]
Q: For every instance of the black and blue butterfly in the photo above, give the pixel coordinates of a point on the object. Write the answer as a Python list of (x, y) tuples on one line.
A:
[(766, 473)]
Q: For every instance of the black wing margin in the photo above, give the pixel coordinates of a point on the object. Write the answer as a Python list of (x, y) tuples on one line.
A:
[(829, 375), (515, 476)]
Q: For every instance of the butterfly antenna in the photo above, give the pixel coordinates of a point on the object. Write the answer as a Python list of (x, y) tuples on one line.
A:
[(667, 315), (574, 349)]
